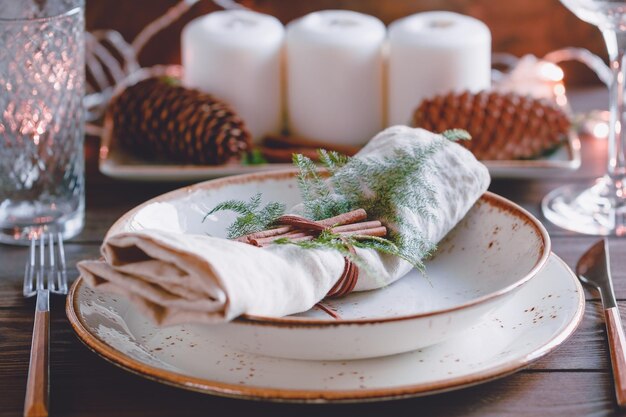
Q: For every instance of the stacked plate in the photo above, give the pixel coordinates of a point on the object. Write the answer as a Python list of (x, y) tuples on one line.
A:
[(493, 299)]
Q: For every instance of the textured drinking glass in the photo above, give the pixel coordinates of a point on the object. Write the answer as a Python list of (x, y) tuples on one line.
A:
[(41, 117)]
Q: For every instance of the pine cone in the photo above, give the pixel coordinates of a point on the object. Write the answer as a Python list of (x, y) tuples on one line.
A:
[(156, 119), (503, 126)]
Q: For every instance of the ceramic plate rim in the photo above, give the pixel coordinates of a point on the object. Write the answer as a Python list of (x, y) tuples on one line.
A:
[(120, 359), (309, 322)]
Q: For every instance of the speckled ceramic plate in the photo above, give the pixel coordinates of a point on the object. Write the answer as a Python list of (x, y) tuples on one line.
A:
[(541, 316), (116, 163), (494, 250)]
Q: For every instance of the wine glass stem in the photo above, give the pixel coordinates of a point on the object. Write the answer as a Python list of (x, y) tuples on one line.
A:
[(616, 168)]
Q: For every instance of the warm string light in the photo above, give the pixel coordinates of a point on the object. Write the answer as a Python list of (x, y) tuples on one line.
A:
[(601, 130), (532, 76), (595, 123)]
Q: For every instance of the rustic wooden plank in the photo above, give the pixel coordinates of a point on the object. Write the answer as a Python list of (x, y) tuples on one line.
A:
[(552, 395), (100, 389)]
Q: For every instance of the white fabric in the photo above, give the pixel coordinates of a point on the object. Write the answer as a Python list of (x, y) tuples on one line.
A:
[(177, 278)]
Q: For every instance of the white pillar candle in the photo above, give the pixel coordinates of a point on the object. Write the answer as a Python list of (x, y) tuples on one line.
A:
[(432, 53), (335, 77), (235, 55)]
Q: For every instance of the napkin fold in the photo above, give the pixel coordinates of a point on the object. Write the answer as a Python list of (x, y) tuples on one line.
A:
[(180, 278)]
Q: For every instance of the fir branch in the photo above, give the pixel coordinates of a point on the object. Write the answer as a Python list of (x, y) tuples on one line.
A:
[(252, 218), (330, 241), (237, 206), (332, 160), (316, 193), (456, 135), (386, 188), (254, 157)]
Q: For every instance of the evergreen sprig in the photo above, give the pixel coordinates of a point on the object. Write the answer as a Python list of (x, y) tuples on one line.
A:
[(252, 217), (254, 157), (456, 135), (331, 241), (317, 197), (386, 187)]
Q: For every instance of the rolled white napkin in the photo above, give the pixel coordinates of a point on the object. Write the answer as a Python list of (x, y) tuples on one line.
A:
[(178, 278)]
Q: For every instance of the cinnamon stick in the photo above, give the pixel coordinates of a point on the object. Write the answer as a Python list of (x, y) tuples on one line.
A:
[(376, 231), (300, 222), (265, 233), (345, 218), (364, 229), (300, 142), (267, 240), (298, 229), (279, 156), (356, 226), (342, 219)]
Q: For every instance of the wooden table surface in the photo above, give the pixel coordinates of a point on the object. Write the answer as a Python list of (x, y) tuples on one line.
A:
[(575, 380)]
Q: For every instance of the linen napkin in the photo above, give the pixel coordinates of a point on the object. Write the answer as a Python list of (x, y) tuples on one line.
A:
[(178, 278)]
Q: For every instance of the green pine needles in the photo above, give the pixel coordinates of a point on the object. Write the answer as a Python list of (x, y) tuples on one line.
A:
[(342, 244), (387, 188), (318, 196), (252, 217), (456, 135)]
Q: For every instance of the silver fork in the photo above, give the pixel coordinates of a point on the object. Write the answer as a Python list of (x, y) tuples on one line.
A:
[(45, 273)]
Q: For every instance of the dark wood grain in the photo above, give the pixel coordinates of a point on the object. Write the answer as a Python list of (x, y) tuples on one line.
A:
[(84, 384), (575, 380)]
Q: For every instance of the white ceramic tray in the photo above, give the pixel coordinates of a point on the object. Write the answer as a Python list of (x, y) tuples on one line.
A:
[(116, 163)]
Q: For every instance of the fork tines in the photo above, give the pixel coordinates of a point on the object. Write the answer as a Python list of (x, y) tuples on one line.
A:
[(46, 267)]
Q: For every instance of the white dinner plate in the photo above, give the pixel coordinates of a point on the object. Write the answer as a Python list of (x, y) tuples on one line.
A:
[(540, 317), (116, 163), (490, 254)]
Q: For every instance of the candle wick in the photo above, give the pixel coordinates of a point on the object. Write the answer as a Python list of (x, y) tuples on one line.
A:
[(241, 23), (440, 24), (342, 22)]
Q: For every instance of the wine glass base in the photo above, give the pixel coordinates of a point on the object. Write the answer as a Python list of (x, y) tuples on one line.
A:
[(598, 209)]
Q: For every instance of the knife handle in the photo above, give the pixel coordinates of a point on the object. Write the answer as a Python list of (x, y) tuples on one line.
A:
[(617, 345)]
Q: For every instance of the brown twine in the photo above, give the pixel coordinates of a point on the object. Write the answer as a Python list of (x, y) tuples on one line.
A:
[(350, 275)]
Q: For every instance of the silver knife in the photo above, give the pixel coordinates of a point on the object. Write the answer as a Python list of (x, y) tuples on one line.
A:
[(593, 269)]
